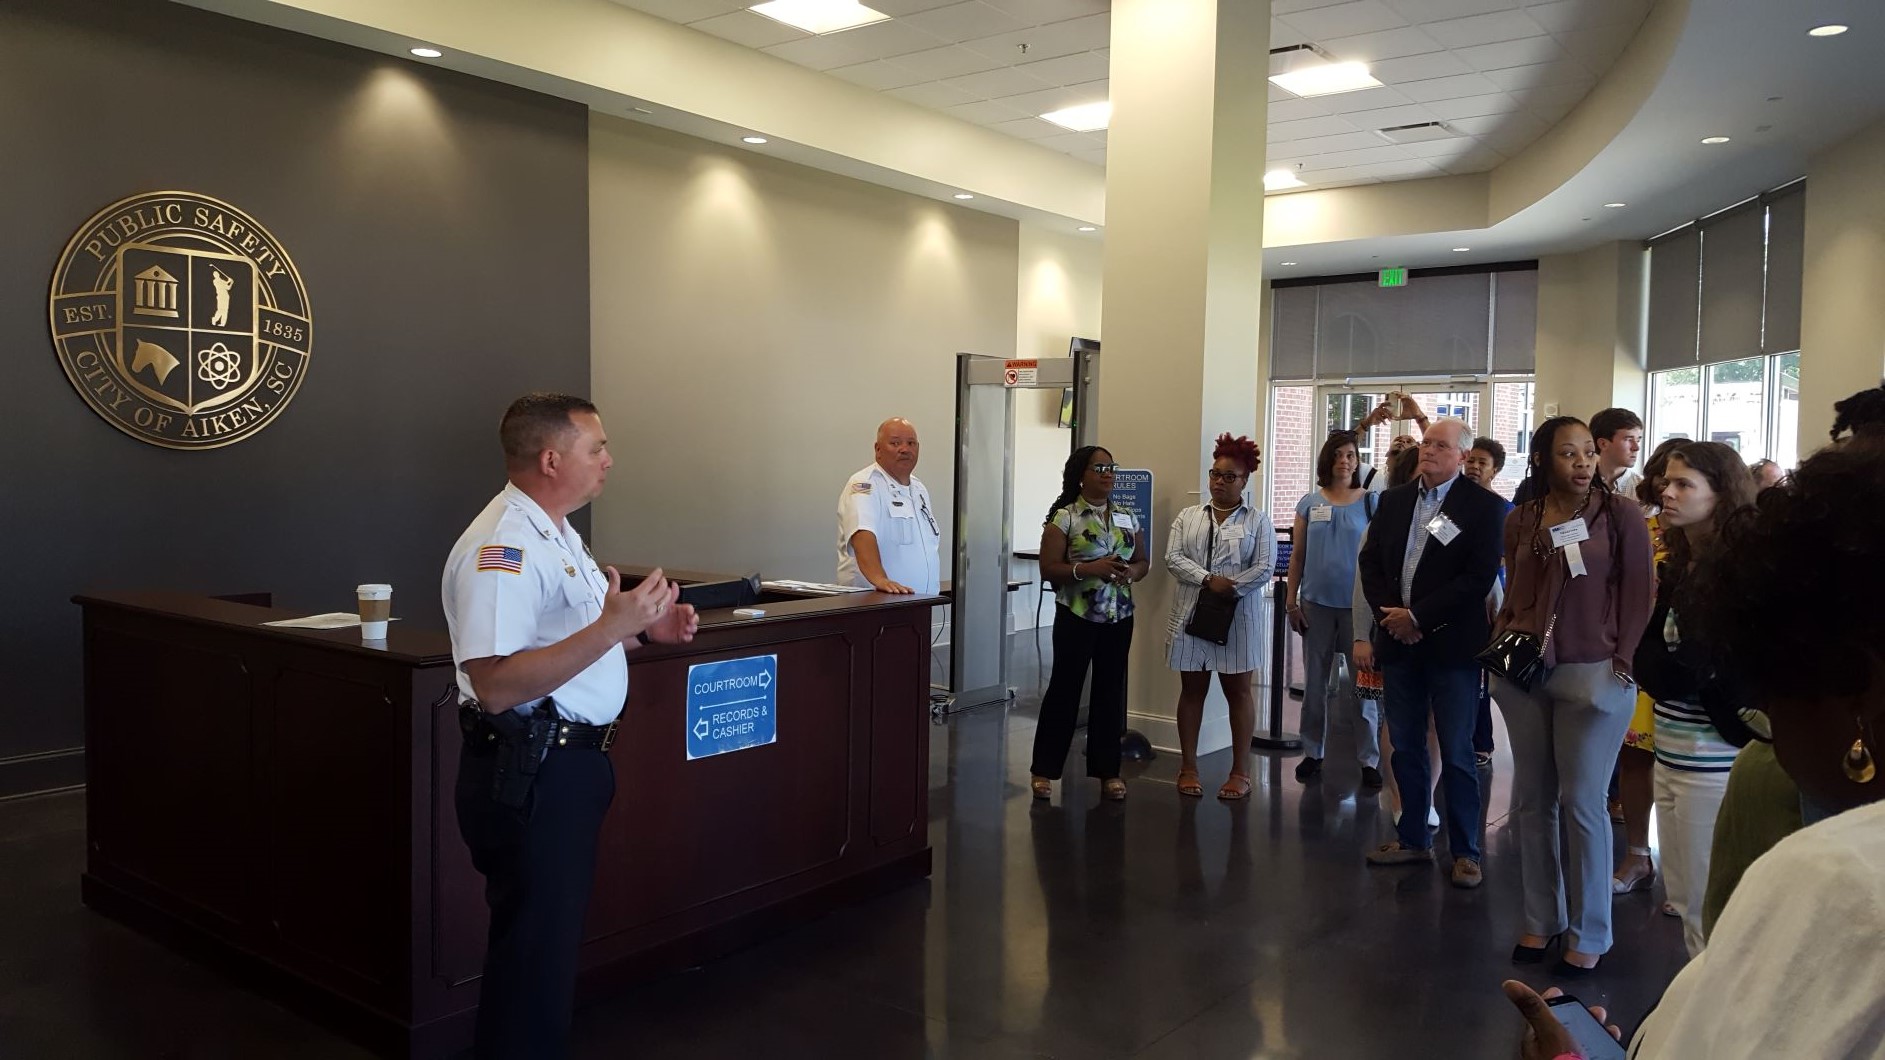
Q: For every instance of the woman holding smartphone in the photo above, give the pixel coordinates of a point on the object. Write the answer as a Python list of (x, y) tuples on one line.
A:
[(1092, 552)]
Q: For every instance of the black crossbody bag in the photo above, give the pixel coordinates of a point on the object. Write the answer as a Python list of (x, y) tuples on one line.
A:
[(1214, 613)]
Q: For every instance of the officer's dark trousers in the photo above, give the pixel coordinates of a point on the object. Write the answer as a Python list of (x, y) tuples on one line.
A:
[(538, 865)]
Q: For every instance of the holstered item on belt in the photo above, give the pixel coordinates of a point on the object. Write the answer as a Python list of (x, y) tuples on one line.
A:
[(519, 743)]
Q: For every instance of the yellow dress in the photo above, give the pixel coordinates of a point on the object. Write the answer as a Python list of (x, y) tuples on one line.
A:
[(1642, 731)]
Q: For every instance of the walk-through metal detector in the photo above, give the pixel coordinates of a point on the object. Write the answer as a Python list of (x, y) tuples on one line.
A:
[(984, 516)]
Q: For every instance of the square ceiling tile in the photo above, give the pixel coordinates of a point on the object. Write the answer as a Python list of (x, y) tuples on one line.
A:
[(953, 61), (1041, 12), (1047, 42), (1441, 88), (1053, 99), (1344, 20), (1474, 106), (1028, 129), (1439, 151), (1072, 142), (1552, 96), (1598, 46), (1476, 161), (1362, 157), (1295, 109), (964, 21), (1001, 81), (1322, 145), (683, 10), (1523, 78), (1068, 69), (1288, 7), (1506, 54), (1567, 15), (937, 94), (1419, 67), (1097, 158), (877, 74), (1483, 29), (882, 40), (1308, 129), (1385, 44), (1418, 11), (900, 8), (988, 112), (754, 31), (1483, 125), (1366, 99), (1388, 117)]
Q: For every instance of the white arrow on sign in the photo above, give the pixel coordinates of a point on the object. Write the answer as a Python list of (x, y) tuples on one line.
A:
[(765, 679), (701, 729)]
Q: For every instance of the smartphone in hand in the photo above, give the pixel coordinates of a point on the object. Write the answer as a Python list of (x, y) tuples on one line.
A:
[(1592, 1039)]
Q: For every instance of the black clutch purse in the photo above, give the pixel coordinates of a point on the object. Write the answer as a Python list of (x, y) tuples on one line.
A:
[(1212, 617), (1515, 655), (1214, 613)]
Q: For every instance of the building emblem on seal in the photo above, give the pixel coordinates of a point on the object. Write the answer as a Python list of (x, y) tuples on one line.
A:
[(180, 320)]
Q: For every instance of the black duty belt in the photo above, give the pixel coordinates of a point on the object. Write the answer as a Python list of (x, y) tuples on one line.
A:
[(583, 737)]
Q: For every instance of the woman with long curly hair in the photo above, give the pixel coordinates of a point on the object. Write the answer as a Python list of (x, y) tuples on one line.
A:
[(1092, 552), (1227, 549)]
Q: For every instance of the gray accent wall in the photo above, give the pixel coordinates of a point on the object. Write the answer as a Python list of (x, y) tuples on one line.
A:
[(440, 224)]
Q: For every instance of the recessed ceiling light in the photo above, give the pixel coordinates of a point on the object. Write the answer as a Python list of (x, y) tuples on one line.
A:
[(1615, 205), (1279, 179), (1305, 70), (1289, 263), (1087, 117), (753, 139), (819, 16), (1089, 228), (1714, 139), (964, 195), (641, 110), (1461, 250), (1826, 31), (427, 53)]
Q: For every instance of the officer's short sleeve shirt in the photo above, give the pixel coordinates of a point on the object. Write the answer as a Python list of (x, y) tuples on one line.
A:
[(901, 518)]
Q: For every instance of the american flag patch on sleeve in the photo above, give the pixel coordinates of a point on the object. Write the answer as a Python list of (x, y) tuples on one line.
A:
[(501, 557)]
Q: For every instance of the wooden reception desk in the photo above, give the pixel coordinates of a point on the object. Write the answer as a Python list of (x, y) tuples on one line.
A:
[(283, 798)]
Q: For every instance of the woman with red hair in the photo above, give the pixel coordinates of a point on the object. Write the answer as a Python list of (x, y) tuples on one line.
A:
[(1219, 552)]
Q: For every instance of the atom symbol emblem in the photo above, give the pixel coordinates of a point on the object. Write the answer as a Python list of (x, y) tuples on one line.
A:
[(219, 366)]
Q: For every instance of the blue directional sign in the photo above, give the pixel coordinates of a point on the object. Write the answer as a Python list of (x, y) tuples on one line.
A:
[(1132, 492), (732, 705)]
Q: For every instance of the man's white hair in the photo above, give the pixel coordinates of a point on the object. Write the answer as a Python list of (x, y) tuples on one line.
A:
[(1463, 438)]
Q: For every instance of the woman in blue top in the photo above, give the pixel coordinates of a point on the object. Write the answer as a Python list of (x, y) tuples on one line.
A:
[(1327, 538)]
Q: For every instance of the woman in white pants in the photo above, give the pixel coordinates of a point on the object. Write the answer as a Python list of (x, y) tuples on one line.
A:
[(1704, 485)]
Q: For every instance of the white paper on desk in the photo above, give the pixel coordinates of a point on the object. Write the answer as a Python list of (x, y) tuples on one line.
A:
[(331, 620), (794, 585)]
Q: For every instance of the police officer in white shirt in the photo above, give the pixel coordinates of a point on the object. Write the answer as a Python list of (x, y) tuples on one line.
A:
[(538, 635), (887, 531)]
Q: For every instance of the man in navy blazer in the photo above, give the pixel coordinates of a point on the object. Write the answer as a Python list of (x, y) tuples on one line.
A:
[(1429, 560)]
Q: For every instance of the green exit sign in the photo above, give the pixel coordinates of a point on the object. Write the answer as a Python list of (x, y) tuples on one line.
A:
[(1394, 277)]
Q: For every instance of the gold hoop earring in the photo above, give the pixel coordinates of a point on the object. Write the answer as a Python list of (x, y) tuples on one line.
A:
[(1858, 764)]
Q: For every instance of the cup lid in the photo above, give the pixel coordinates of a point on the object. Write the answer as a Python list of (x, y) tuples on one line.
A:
[(374, 588)]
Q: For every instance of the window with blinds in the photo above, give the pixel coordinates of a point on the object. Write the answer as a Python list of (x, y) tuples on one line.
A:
[(1444, 322), (1727, 287)]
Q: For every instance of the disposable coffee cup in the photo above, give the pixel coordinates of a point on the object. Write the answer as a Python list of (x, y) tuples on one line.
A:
[(376, 609)]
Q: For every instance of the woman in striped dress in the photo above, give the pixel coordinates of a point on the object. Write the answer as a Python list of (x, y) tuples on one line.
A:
[(1223, 546), (1704, 484)]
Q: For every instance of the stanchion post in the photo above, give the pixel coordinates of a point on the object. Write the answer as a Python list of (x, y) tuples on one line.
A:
[(1275, 739)]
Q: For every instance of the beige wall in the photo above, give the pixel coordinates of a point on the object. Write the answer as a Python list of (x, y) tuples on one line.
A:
[(1590, 331), (753, 321), (1842, 317)]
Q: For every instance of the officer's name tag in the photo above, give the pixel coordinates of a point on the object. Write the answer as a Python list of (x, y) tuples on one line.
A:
[(1569, 533), (1321, 513), (1442, 529), (1122, 520)]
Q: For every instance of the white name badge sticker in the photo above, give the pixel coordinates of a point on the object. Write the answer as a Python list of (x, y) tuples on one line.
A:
[(1231, 533), (1321, 513), (1122, 520), (1569, 533), (1442, 529), (1574, 559)]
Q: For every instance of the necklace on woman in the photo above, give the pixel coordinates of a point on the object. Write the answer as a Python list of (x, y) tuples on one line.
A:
[(1542, 533), (1232, 508)]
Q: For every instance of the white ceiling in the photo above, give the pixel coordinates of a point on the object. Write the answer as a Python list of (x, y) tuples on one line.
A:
[(1498, 72)]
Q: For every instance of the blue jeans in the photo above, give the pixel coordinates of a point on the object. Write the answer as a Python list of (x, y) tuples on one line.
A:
[(1450, 692)]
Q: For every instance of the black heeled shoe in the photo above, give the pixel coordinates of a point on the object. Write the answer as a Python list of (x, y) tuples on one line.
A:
[(1523, 954), (1566, 970)]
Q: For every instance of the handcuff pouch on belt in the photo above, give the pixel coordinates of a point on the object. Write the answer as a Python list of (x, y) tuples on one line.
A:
[(519, 743)]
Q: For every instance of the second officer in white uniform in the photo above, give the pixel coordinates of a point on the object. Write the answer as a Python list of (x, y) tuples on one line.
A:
[(538, 635), (888, 535)]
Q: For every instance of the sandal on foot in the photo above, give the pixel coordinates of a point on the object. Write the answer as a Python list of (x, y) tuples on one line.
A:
[(1237, 786), (1113, 789), (1043, 787), (1188, 783), (1620, 884)]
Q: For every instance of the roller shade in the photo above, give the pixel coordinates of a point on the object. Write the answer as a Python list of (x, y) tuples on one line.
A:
[(1734, 260), (1442, 323), (1293, 333), (1675, 268), (1515, 321), (1786, 269)]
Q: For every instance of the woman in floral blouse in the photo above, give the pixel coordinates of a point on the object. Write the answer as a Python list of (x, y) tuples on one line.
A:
[(1092, 552)]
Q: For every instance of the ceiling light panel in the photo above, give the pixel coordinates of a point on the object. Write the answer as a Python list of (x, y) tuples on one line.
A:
[(1425, 132), (819, 16), (1325, 79), (1085, 117), (1281, 180)]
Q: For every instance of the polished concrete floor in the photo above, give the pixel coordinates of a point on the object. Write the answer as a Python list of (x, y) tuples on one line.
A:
[(1160, 927)]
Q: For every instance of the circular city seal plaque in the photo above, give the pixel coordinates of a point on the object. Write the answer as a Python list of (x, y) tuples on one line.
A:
[(180, 320)]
